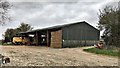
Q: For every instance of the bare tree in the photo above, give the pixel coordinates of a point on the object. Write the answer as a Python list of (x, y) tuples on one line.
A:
[(4, 7)]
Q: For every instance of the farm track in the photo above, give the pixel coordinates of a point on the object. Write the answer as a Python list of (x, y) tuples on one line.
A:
[(46, 56)]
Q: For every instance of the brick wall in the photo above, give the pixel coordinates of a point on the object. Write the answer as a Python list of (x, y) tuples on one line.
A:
[(56, 39)]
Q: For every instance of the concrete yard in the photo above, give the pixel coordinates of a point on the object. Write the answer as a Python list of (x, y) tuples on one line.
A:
[(46, 56)]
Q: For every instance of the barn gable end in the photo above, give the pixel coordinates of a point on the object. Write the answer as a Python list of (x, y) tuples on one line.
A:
[(79, 34)]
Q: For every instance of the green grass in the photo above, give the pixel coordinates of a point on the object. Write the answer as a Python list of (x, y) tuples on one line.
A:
[(5, 44), (0, 43), (103, 51)]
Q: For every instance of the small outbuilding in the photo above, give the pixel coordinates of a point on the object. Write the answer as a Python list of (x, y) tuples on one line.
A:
[(67, 35)]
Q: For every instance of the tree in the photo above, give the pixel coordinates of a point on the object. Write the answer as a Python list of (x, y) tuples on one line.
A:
[(13, 32), (24, 27), (108, 20), (4, 7), (9, 34)]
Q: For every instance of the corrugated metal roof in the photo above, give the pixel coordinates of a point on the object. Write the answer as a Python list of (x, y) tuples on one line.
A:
[(57, 27)]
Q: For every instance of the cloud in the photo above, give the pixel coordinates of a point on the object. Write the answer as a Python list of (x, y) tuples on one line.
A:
[(46, 13), (62, 0)]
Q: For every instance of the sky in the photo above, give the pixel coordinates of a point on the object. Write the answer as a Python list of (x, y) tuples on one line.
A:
[(46, 13)]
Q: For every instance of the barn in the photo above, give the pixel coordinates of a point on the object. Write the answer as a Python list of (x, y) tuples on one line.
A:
[(67, 35)]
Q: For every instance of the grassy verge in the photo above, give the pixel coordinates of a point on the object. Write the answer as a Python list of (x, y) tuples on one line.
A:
[(103, 51)]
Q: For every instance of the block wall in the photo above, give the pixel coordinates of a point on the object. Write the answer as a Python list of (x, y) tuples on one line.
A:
[(56, 39)]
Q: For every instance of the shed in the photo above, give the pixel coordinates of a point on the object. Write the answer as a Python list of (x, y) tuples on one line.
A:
[(67, 35)]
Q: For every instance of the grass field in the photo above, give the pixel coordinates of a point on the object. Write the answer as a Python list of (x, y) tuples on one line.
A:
[(103, 51)]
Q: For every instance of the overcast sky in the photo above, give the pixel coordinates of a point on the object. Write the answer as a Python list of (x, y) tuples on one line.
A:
[(46, 13)]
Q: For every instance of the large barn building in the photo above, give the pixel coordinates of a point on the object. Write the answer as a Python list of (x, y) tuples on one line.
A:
[(67, 35)]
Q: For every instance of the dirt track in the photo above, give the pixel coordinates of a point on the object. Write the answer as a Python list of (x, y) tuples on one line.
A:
[(45, 56)]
